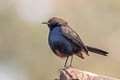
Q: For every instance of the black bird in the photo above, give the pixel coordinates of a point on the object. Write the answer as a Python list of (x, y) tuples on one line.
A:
[(65, 42)]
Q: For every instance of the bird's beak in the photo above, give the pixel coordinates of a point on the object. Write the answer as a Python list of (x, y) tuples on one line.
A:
[(45, 22)]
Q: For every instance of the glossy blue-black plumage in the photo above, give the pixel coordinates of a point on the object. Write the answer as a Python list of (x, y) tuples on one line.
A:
[(58, 42), (65, 42)]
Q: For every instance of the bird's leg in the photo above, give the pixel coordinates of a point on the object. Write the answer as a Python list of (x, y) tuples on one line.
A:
[(66, 61), (71, 60)]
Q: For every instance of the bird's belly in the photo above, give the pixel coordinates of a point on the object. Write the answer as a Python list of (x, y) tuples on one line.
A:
[(60, 45), (60, 54)]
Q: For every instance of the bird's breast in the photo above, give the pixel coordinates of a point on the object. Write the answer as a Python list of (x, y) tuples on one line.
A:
[(58, 42), (55, 37)]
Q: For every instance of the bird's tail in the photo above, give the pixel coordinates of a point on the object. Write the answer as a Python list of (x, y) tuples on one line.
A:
[(97, 51)]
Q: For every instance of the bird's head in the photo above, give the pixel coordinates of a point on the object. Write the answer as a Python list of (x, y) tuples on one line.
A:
[(55, 22)]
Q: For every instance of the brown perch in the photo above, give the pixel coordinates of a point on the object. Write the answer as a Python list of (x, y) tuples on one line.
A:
[(70, 73)]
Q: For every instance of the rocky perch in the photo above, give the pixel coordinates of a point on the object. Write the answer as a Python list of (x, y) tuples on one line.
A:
[(70, 73)]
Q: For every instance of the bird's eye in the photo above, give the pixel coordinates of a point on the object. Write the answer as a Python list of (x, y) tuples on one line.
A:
[(54, 23)]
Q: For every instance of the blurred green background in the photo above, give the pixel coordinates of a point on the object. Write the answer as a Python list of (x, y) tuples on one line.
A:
[(24, 50)]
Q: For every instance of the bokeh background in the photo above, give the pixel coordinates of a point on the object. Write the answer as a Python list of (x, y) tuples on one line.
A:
[(24, 50)]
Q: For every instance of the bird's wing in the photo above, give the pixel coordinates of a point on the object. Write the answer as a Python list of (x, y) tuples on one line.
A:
[(69, 33)]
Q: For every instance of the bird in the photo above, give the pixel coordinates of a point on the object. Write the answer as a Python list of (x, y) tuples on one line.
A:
[(65, 42)]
